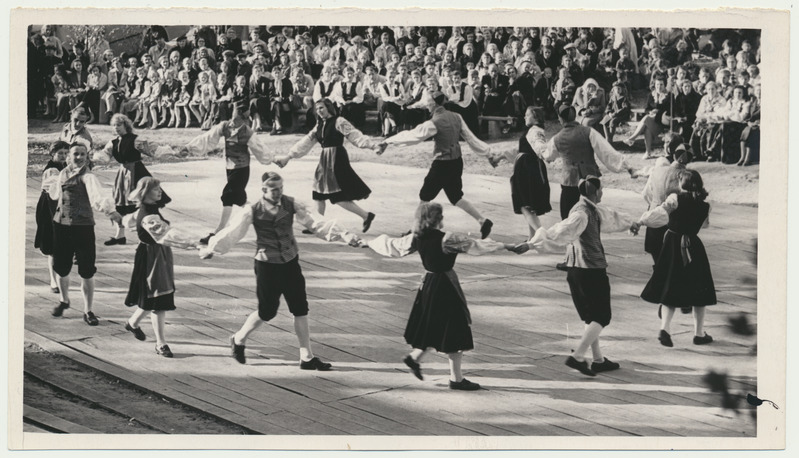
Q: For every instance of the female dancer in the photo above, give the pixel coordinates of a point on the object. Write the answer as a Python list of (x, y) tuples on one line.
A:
[(440, 318), (529, 183), (45, 209), (682, 275), (152, 284), (123, 149), (335, 180)]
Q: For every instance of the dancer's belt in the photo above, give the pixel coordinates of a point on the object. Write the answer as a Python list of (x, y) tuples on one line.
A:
[(685, 247)]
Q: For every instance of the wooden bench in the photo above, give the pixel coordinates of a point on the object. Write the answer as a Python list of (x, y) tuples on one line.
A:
[(495, 124)]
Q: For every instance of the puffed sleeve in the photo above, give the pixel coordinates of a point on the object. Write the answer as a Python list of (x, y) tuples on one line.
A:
[(537, 139), (206, 142), (163, 233), (49, 177), (556, 237), (416, 135), (612, 220), (103, 156), (478, 146), (302, 147), (355, 136), (551, 152), (327, 230), (98, 197), (459, 243), (392, 247), (237, 228), (659, 216), (606, 153), (259, 149)]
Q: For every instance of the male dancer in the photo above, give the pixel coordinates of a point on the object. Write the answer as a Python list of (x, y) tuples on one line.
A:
[(586, 266), (578, 146), (78, 193), (240, 141), (446, 128), (277, 266)]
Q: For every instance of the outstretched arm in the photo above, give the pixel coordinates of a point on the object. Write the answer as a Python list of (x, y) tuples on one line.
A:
[(327, 230), (237, 228)]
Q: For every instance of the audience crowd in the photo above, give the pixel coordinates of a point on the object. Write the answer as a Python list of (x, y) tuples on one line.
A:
[(703, 85)]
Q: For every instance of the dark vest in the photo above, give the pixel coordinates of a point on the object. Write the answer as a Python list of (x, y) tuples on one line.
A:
[(74, 207), (124, 149), (348, 95), (688, 217), (326, 92), (433, 257), (448, 135), (274, 232), (587, 252), (574, 145), (524, 145), (327, 135), (237, 153)]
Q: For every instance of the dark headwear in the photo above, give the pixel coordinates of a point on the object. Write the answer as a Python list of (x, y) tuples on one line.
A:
[(241, 55), (228, 53), (438, 97), (588, 185), (567, 113)]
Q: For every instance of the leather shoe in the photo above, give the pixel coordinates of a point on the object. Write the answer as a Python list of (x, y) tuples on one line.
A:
[(485, 228), (415, 367), (55, 290), (59, 309), (163, 350), (112, 241), (90, 319), (137, 332), (604, 366), (206, 239), (704, 340), (581, 366), (464, 385), (665, 339), (315, 364), (367, 223), (237, 350), (562, 266)]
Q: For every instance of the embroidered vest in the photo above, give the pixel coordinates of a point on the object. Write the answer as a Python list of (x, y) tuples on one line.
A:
[(274, 233), (448, 135), (327, 135), (587, 252), (574, 144), (74, 207), (237, 154)]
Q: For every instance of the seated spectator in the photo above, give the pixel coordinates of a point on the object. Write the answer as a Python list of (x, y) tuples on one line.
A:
[(736, 115), (96, 84), (414, 112), (543, 92), (221, 107), (750, 137), (706, 138), (590, 103), (652, 125), (348, 96), (626, 65), (115, 92), (564, 88), (170, 94), (686, 104), (260, 105), (181, 109), (389, 106), (371, 86), (617, 110), (495, 91), (280, 94), (63, 90), (133, 90), (204, 95), (745, 57), (521, 93), (724, 82), (149, 102), (705, 76), (303, 95), (482, 65), (461, 100)]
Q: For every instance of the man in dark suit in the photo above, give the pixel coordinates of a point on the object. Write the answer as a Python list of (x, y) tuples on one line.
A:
[(495, 90)]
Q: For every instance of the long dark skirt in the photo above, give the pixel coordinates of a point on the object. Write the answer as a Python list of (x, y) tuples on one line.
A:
[(45, 209), (152, 284), (439, 317), (343, 177), (731, 141), (529, 184), (678, 281)]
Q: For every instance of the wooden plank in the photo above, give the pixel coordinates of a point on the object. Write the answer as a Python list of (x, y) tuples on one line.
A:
[(43, 419)]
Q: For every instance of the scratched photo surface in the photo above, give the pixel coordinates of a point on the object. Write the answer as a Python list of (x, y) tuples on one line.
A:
[(342, 318)]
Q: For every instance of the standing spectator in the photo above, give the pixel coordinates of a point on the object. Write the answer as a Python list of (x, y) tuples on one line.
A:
[(160, 48)]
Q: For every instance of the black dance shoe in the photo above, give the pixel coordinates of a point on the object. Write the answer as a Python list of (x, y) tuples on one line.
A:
[(562, 266), (137, 332), (604, 366), (367, 223), (206, 239), (237, 350), (90, 319), (581, 366), (415, 367), (112, 241), (59, 309), (464, 385), (315, 364), (485, 228), (163, 350), (665, 339), (704, 340)]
